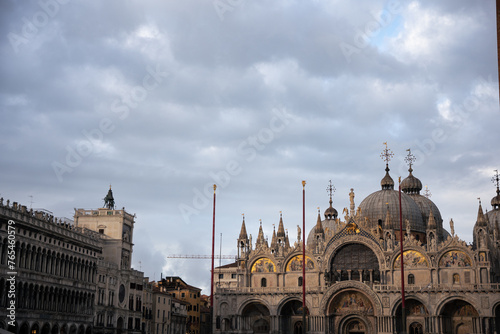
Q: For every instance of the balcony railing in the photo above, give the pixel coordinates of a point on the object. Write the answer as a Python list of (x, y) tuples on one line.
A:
[(490, 287)]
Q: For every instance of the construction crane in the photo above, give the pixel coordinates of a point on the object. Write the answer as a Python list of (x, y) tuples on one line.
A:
[(180, 256)]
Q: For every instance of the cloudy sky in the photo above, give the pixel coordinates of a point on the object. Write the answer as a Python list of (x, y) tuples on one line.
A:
[(162, 99)]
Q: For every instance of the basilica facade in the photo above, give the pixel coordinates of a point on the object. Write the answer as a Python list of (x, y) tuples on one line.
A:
[(353, 271)]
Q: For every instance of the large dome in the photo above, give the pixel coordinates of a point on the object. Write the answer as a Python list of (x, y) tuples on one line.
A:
[(374, 207)]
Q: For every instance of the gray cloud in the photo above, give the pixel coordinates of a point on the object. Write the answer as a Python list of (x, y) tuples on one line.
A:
[(82, 82)]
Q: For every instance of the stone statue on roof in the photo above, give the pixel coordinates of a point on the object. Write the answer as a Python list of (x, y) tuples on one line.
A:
[(109, 201)]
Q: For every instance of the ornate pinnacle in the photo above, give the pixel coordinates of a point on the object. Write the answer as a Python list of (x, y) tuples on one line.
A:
[(386, 155), (410, 159)]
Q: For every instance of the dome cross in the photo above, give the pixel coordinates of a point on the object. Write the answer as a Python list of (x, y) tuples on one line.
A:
[(496, 180), (387, 154), (410, 159), (330, 190)]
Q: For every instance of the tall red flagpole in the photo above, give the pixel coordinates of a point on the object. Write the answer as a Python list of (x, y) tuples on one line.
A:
[(304, 257), (403, 309), (213, 249)]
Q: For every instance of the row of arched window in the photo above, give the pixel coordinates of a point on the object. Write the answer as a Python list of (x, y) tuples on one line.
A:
[(46, 298), (263, 282), (46, 328), (50, 262)]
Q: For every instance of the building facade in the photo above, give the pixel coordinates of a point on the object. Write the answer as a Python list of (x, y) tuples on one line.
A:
[(48, 272), (162, 309), (178, 317), (189, 294), (120, 289), (60, 276), (353, 271)]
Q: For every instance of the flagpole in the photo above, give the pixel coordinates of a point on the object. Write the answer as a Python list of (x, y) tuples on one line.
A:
[(213, 250), (403, 309), (304, 257)]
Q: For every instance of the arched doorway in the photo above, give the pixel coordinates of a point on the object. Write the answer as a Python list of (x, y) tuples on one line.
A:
[(350, 311), (354, 326), (13, 329), (226, 324), (35, 329), (459, 317), (291, 316), (260, 326), (297, 328), (255, 317), (416, 328), (119, 326), (497, 318), (25, 328), (46, 328), (416, 313)]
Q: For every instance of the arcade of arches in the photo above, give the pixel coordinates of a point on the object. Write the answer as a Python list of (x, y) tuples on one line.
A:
[(49, 327)]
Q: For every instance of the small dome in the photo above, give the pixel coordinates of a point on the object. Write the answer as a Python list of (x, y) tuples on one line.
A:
[(387, 182), (495, 201), (411, 185), (331, 213)]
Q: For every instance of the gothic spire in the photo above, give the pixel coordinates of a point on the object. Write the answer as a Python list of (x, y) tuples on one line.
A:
[(243, 232), (481, 219), (319, 226), (260, 238), (281, 228), (388, 222), (273, 239), (431, 224)]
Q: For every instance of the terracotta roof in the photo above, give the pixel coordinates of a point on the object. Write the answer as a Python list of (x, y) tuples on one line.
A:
[(230, 265)]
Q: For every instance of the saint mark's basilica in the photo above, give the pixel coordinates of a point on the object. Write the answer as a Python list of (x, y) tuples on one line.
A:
[(353, 270)]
